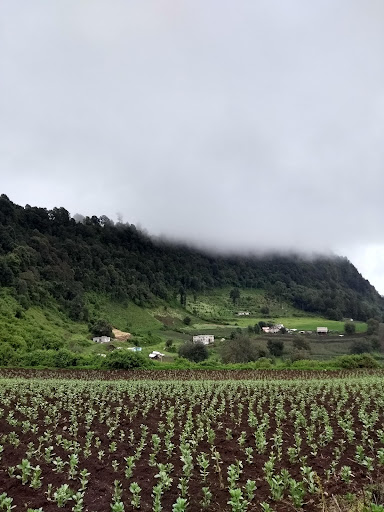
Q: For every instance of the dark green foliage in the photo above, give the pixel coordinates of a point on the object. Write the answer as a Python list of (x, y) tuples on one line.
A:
[(64, 359), (372, 326), (299, 355), (361, 346), (100, 327), (357, 361), (300, 343), (264, 310), (7, 355), (275, 347), (234, 295), (239, 350), (187, 320), (349, 328), (375, 343), (334, 314), (256, 329), (125, 360), (195, 352), (45, 255)]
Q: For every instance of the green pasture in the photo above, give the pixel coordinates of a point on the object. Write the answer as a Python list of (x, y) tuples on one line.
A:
[(299, 323), (217, 304)]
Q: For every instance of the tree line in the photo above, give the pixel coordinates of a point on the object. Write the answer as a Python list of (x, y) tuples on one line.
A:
[(46, 254)]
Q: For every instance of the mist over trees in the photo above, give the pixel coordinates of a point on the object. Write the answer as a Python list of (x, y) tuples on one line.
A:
[(46, 254)]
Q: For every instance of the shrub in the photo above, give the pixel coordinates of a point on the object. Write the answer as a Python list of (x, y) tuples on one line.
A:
[(360, 347), (100, 327), (7, 355), (357, 361), (275, 347), (63, 358), (264, 310), (39, 358), (195, 352), (372, 326), (239, 350), (187, 320), (299, 355), (349, 328), (125, 360), (301, 344)]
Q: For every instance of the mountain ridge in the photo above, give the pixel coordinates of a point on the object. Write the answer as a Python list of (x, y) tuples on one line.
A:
[(48, 255)]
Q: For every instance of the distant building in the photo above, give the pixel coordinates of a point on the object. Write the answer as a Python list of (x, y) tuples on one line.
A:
[(322, 330), (101, 339), (265, 329), (205, 339), (156, 355), (243, 313), (135, 349)]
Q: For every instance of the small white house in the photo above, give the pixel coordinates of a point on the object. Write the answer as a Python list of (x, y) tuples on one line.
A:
[(265, 329), (243, 313), (205, 339), (322, 330), (156, 355), (101, 339)]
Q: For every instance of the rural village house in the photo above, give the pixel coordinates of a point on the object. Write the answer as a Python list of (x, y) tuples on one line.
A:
[(101, 339), (205, 339)]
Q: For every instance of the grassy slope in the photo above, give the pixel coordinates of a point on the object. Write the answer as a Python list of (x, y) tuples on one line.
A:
[(151, 327), (39, 325)]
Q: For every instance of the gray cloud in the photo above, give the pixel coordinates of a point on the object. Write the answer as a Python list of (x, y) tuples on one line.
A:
[(238, 125)]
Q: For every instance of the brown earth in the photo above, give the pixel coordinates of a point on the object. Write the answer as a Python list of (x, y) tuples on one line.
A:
[(121, 335), (45, 414)]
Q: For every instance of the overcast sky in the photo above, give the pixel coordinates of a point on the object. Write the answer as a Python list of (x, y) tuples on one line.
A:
[(247, 124)]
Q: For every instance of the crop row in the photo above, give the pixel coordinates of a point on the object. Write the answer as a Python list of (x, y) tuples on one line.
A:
[(188, 445)]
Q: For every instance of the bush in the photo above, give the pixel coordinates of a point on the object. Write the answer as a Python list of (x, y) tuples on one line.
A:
[(7, 355), (276, 347), (349, 328), (187, 320), (169, 344), (264, 310), (360, 347), (299, 355), (100, 327), (125, 360), (63, 359), (301, 344), (239, 350), (195, 352), (357, 361), (372, 326), (38, 357)]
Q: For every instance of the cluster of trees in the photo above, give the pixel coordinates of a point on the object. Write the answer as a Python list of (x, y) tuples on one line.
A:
[(46, 254)]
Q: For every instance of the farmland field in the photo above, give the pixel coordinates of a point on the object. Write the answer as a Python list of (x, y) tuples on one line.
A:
[(174, 441)]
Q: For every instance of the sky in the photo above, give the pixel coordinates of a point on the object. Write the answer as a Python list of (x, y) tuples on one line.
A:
[(254, 125)]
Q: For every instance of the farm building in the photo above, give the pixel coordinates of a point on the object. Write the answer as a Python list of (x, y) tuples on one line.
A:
[(243, 313), (205, 339), (101, 339), (156, 355), (322, 330)]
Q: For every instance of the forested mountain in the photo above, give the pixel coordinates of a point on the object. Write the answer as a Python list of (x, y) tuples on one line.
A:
[(46, 254)]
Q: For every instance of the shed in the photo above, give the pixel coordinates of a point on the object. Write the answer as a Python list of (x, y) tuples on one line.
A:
[(101, 339), (205, 339), (322, 330)]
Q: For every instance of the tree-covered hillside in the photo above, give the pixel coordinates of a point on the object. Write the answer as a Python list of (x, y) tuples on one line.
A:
[(46, 254)]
